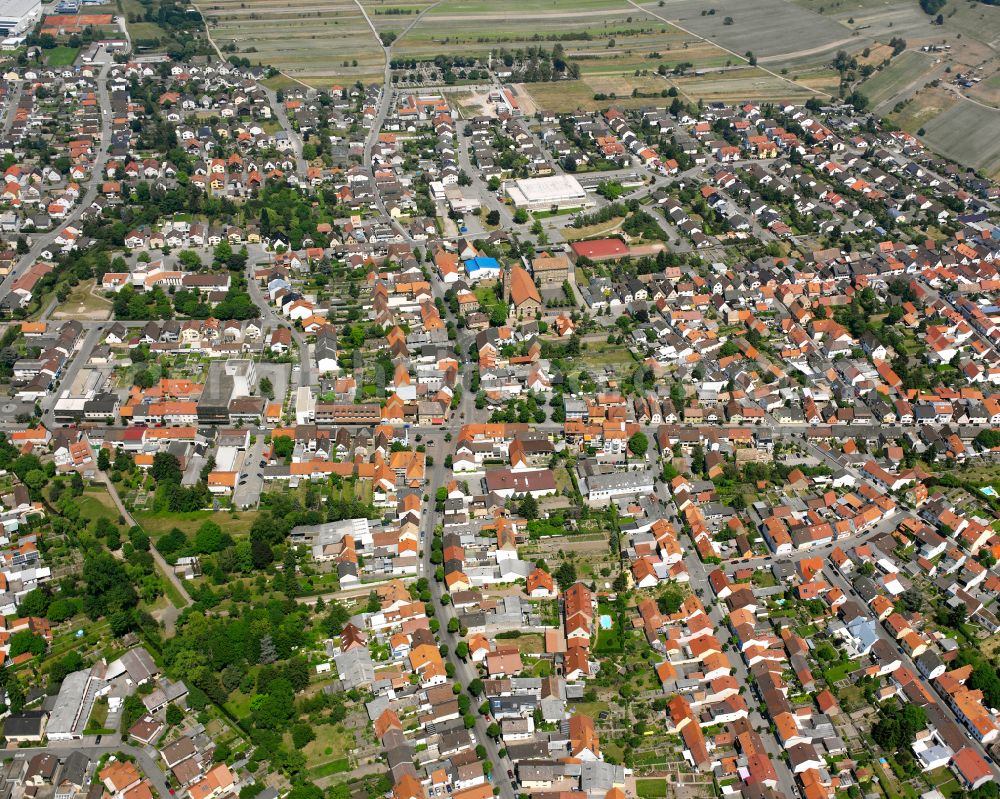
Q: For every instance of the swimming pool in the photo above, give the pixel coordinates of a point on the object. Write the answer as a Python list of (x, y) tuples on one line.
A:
[(989, 491), (606, 622)]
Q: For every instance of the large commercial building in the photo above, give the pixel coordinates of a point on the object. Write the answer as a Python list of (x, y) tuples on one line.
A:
[(225, 381), (540, 194), (18, 16)]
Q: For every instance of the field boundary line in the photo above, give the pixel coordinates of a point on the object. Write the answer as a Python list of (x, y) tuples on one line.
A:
[(416, 19)]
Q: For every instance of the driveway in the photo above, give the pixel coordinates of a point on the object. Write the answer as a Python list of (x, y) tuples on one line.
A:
[(247, 493)]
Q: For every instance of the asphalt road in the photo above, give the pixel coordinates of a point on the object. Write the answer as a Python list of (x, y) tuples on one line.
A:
[(464, 672), (146, 763), (286, 126)]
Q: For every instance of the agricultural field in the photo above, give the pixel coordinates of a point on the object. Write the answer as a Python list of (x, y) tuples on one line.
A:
[(987, 91), (923, 107), (740, 84), (884, 85), (394, 15), (875, 19), (314, 42), (740, 26), (470, 29), (949, 134)]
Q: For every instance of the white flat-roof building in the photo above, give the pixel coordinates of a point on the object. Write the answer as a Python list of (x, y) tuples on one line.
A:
[(540, 194), (18, 16)]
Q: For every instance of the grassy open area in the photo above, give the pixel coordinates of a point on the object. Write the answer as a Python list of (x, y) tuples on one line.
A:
[(280, 81), (84, 302), (338, 766), (591, 232), (330, 752), (61, 56), (840, 671), (651, 789), (96, 503), (156, 524)]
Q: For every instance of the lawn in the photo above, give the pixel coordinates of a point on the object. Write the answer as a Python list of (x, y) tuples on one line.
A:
[(611, 639), (99, 717), (651, 789), (840, 671), (330, 750), (61, 56), (171, 592), (338, 766)]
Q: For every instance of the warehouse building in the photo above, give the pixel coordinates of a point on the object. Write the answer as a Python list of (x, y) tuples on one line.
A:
[(18, 16), (541, 194)]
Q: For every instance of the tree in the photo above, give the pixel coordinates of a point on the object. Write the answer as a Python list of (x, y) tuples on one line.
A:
[(103, 460), (222, 752), (35, 479), (565, 575), (475, 686), (34, 603), (638, 444), (132, 711), (302, 734), (208, 539), (268, 654), (493, 217), (988, 439), (528, 507), (520, 216), (166, 468), (174, 715), (266, 388), (283, 446), (26, 641)]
